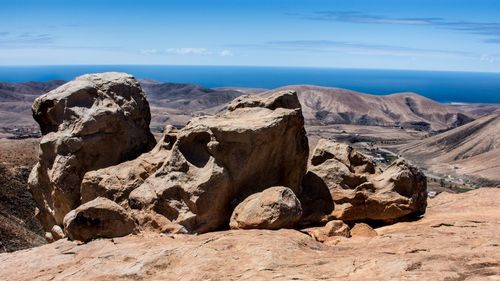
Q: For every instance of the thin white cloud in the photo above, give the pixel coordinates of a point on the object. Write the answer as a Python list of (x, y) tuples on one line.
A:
[(149, 51), (489, 58), (226, 53), (188, 51)]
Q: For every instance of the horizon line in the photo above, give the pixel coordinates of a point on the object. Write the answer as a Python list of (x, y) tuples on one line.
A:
[(250, 66)]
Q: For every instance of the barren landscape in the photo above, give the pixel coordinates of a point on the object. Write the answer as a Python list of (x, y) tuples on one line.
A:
[(343, 199)]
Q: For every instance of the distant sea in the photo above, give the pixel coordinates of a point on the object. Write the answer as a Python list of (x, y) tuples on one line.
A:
[(440, 86)]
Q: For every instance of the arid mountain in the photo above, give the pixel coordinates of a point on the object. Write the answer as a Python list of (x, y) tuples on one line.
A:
[(173, 103), (323, 106), (15, 104), (473, 150), (477, 109)]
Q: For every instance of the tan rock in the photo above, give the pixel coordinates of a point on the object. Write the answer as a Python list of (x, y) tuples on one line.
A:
[(99, 218), (197, 175), (281, 99), (332, 228), (274, 208), (363, 230), (343, 184), (116, 182), (92, 122), (57, 232)]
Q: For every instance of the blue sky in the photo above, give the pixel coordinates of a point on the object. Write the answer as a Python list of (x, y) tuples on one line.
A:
[(453, 35)]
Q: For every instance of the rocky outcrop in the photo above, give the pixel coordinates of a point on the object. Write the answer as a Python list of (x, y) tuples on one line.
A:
[(274, 208), (197, 175), (99, 218), (95, 121), (343, 184), (243, 168)]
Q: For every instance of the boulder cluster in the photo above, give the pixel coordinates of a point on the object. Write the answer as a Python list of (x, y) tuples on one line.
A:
[(100, 173)]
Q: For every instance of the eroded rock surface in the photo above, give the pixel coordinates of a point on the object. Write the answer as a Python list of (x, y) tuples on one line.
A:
[(331, 229), (274, 208), (363, 230), (99, 218), (197, 175), (92, 122), (344, 184)]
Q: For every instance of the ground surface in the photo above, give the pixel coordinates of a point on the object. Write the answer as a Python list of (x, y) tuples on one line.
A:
[(18, 227), (456, 240)]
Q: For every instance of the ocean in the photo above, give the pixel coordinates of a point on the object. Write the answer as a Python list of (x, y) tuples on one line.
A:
[(470, 87)]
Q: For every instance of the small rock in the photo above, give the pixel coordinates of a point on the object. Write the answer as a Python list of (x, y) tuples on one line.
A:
[(100, 217), (331, 229), (274, 208), (57, 232), (48, 237), (363, 230)]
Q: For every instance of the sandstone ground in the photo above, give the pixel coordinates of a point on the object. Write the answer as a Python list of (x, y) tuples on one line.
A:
[(456, 240)]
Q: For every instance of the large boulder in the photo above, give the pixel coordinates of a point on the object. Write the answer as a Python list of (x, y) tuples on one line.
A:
[(274, 208), (198, 174), (99, 218), (343, 184), (92, 122)]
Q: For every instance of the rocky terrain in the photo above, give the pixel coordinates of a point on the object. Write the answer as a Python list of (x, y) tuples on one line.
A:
[(18, 227), (456, 240), (471, 150), (236, 185)]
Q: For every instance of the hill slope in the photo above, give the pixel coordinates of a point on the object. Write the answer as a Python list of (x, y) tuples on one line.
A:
[(323, 105), (473, 149), (175, 104)]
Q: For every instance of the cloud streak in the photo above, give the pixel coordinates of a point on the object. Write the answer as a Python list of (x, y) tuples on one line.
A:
[(26, 39), (489, 29), (187, 51), (357, 48)]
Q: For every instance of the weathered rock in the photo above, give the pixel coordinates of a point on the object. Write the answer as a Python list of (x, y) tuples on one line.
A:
[(343, 184), (274, 208), (57, 232), (363, 230), (332, 228), (100, 217), (198, 174), (284, 99), (116, 182), (92, 122)]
